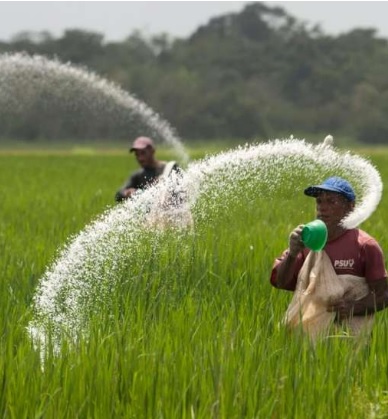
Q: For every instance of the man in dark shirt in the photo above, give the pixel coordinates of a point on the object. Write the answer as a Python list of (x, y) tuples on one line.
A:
[(151, 170)]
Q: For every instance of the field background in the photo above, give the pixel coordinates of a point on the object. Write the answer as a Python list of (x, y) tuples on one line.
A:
[(199, 338)]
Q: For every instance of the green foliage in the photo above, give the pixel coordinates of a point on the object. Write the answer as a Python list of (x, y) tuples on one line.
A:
[(256, 74), (194, 332)]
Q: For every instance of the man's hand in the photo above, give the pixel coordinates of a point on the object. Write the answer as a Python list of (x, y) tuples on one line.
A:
[(128, 192), (285, 271), (295, 241), (343, 308), (375, 300)]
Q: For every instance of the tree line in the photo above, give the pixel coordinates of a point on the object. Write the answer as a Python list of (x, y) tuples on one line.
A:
[(256, 74)]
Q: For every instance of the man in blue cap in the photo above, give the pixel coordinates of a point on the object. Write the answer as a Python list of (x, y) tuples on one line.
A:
[(352, 252)]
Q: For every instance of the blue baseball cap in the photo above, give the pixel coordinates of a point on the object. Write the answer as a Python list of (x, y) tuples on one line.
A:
[(333, 184)]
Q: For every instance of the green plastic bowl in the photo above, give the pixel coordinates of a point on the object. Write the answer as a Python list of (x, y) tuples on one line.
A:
[(314, 235)]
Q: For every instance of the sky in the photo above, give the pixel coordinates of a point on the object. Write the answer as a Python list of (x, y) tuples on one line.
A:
[(118, 19)]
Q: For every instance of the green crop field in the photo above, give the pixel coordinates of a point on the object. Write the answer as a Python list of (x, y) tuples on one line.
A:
[(194, 332)]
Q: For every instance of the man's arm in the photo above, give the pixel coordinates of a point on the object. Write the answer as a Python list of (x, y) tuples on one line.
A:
[(285, 271), (127, 190), (124, 194), (375, 300)]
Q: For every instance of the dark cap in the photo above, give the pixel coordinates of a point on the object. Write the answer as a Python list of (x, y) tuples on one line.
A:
[(141, 143), (333, 184)]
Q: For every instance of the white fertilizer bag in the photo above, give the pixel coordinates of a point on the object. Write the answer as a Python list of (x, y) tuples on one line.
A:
[(318, 286)]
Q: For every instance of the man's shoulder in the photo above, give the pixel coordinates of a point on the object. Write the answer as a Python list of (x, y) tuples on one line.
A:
[(360, 236), (138, 173), (364, 237)]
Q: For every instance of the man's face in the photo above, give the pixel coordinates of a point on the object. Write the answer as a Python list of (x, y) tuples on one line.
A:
[(145, 156), (332, 207)]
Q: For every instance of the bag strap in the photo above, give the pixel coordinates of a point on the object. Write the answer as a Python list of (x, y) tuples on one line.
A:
[(167, 169)]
